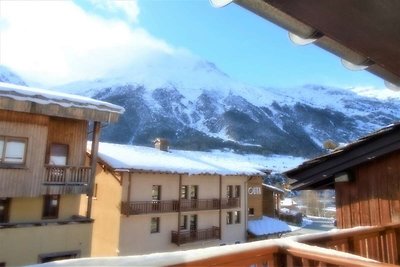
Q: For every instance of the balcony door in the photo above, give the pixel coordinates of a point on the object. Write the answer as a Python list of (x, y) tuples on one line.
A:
[(156, 197), (194, 191), (193, 226), (58, 154)]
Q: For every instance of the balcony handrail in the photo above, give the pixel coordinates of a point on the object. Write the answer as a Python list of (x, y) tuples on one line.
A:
[(67, 175), (380, 243), (146, 207), (274, 252), (150, 206), (187, 236)]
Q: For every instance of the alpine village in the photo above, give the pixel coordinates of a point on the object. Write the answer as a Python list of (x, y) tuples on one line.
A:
[(74, 191)]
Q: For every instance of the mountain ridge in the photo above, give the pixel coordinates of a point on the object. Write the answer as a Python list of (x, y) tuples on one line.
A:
[(198, 107)]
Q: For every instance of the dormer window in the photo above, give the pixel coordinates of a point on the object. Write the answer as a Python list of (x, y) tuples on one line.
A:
[(12, 150)]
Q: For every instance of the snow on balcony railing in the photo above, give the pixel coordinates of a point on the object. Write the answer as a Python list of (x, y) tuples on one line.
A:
[(275, 252)]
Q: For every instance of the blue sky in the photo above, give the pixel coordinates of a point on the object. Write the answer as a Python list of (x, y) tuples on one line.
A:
[(243, 45)]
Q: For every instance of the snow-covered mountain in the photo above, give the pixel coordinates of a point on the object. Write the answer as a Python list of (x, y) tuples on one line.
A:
[(198, 107), (7, 76)]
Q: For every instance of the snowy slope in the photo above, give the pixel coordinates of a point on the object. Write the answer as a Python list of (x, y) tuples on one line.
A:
[(7, 76), (198, 107)]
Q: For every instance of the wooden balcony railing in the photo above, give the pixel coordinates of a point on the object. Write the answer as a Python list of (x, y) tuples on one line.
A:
[(231, 203), (363, 246), (67, 175), (161, 206), (187, 236), (281, 252), (381, 243), (144, 207)]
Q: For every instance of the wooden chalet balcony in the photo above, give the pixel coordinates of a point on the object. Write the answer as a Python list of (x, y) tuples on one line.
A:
[(187, 236), (162, 206), (67, 175), (364, 247)]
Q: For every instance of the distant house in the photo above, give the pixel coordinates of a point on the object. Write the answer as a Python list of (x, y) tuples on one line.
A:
[(271, 200), (365, 175), (155, 199), (43, 136), (263, 201)]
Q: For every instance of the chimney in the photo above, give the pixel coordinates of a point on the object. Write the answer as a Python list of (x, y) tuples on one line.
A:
[(161, 144)]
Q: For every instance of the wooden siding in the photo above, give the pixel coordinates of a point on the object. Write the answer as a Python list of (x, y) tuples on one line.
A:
[(70, 132), (255, 200), (373, 198), (24, 181), (40, 131), (268, 203)]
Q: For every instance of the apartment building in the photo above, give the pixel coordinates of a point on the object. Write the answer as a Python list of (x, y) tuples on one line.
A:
[(154, 199), (43, 137)]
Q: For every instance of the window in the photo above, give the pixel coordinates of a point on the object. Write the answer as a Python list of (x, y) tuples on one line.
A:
[(237, 190), (184, 191), (155, 225), (251, 211), (194, 190), (58, 154), (4, 209), (237, 216), (183, 225), (43, 258), (229, 191), (12, 150), (96, 187), (229, 217), (156, 192), (193, 222), (51, 204)]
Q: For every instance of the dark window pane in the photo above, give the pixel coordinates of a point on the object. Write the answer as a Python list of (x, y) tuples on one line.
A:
[(50, 206), (4, 209)]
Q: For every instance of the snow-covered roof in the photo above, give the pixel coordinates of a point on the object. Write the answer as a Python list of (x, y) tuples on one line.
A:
[(267, 226), (288, 202), (67, 105), (273, 188), (140, 158)]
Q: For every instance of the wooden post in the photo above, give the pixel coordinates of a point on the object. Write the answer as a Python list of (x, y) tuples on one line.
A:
[(220, 207), (179, 209), (93, 163), (129, 192)]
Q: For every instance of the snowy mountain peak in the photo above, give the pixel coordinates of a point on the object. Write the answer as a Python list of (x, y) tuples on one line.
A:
[(7, 76)]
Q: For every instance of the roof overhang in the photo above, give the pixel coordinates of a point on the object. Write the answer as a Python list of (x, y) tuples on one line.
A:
[(319, 173), (358, 31), (51, 103)]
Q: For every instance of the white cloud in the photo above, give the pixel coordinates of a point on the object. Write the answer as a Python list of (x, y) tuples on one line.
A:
[(56, 42), (129, 7)]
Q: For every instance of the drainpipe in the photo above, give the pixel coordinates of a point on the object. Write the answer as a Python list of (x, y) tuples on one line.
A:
[(93, 164), (179, 209)]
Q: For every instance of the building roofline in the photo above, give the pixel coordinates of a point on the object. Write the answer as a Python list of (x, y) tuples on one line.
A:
[(52, 103), (318, 173)]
